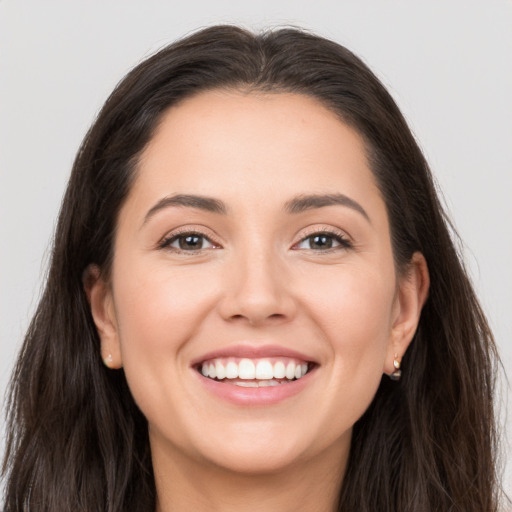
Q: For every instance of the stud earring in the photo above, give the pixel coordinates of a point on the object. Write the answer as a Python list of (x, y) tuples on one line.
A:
[(107, 361), (397, 373)]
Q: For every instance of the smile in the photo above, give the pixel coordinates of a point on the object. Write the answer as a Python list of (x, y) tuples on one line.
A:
[(245, 372), (255, 375)]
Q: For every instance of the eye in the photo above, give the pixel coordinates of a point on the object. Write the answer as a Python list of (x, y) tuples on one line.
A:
[(324, 241), (188, 241)]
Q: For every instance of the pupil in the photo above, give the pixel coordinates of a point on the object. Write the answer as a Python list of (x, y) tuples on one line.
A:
[(322, 241), (190, 242)]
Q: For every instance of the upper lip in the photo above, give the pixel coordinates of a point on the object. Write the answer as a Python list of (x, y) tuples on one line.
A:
[(253, 352)]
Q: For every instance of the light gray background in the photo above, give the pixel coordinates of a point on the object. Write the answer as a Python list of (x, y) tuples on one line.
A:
[(448, 65)]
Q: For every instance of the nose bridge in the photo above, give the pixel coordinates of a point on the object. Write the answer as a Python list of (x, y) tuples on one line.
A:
[(256, 286)]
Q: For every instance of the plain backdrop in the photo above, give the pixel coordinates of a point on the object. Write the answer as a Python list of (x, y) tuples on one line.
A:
[(447, 63)]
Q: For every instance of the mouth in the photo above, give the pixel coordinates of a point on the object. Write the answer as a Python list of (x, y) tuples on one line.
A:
[(254, 372)]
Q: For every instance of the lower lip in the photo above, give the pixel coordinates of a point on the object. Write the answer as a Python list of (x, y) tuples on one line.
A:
[(255, 396)]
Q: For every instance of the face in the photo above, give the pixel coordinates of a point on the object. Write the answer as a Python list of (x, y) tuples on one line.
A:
[(253, 301)]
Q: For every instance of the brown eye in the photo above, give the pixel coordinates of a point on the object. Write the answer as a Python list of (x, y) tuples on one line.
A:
[(193, 242), (321, 242), (324, 241), (187, 242)]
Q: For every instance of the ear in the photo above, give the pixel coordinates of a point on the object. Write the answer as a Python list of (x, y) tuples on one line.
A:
[(412, 292), (99, 296)]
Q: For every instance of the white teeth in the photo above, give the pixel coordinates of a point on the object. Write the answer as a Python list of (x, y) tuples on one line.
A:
[(257, 384), (231, 370), (246, 369), (264, 370), (279, 370), (219, 370), (268, 383), (251, 384)]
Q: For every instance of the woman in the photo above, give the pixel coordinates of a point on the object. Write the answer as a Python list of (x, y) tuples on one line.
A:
[(249, 254)]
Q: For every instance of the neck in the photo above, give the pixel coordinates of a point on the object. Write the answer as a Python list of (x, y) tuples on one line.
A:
[(308, 486)]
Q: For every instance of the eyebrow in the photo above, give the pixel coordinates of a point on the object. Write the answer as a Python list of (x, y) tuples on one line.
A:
[(208, 204), (295, 205), (302, 203)]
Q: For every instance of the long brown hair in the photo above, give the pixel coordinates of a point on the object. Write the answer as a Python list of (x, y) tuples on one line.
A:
[(77, 441)]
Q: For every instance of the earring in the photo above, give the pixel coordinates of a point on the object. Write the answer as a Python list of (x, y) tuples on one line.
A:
[(107, 361), (397, 373)]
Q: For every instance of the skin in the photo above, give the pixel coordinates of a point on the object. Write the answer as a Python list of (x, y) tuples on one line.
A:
[(260, 280)]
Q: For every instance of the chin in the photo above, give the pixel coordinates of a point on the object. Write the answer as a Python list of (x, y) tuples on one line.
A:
[(255, 461), (266, 449)]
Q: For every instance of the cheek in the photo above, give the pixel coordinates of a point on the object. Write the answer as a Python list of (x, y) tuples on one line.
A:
[(354, 304), (355, 315), (358, 323), (158, 309), (158, 312)]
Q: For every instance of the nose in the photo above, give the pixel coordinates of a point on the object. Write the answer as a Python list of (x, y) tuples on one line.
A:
[(257, 290)]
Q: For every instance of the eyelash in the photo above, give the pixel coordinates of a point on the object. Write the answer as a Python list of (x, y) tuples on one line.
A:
[(338, 236), (168, 240)]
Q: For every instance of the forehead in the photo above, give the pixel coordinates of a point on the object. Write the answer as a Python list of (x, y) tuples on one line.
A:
[(252, 149), (270, 121)]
